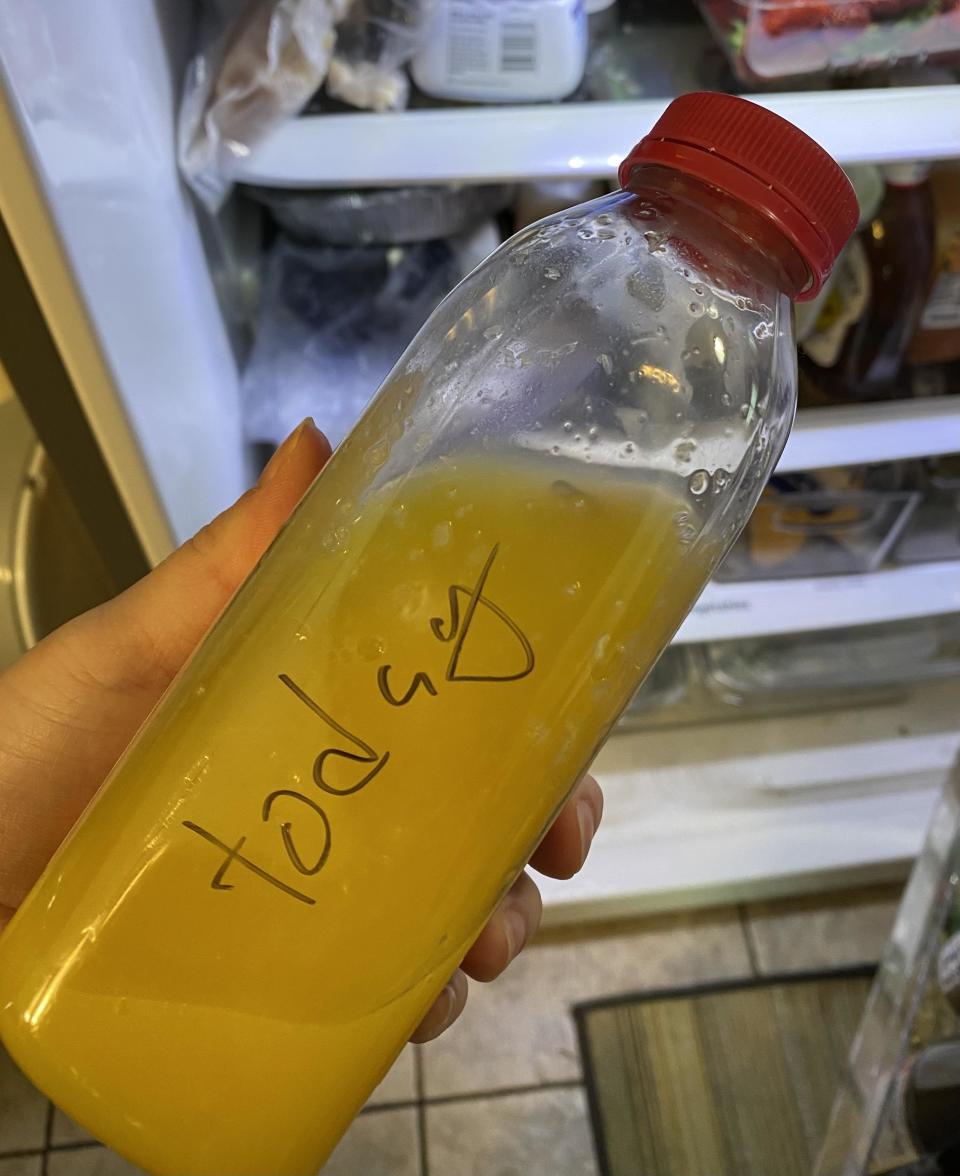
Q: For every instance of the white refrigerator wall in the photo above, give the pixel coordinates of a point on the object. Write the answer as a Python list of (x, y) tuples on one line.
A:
[(94, 87)]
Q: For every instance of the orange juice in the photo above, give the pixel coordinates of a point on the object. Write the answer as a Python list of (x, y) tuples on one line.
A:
[(290, 862)]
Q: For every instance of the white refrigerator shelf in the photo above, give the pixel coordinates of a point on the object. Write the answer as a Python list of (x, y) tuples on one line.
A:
[(564, 140), (758, 808), (762, 607)]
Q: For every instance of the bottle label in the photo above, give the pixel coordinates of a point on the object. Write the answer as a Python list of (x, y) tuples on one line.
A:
[(846, 303), (480, 43), (942, 312)]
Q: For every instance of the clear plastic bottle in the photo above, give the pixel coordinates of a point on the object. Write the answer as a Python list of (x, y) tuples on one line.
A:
[(299, 847)]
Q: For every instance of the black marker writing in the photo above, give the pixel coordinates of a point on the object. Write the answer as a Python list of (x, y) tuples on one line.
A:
[(366, 754), (234, 855)]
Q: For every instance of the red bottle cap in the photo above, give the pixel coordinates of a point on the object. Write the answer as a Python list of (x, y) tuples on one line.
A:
[(757, 157)]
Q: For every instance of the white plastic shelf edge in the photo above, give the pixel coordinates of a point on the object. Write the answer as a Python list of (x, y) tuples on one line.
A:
[(564, 140), (762, 607)]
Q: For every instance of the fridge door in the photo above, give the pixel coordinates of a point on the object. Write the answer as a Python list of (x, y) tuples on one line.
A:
[(109, 240)]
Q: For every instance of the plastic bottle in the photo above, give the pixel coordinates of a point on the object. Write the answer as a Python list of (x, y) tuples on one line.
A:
[(490, 51), (286, 866)]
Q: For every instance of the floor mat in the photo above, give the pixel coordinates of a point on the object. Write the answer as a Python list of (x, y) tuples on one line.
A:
[(730, 1080)]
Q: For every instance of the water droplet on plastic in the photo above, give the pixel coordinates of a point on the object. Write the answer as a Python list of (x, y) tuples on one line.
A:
[(629, 448), (552, 273), (720, 480), (644, 211), (605, 362), (699, 482), (642, 416), (696, 308), (699, 291), (604, 219), (683, 450), (493, 333), (555, 449), (606, 234), (567, 426), (662, 331), (573, 588), (585, 234), (593, 432), (744, 410), (577, 437), (726, 399)]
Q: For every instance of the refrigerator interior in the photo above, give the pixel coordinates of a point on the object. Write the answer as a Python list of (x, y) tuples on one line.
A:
[(148, 301)]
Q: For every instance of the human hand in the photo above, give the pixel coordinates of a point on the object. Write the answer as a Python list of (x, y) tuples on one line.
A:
[(69, 707)]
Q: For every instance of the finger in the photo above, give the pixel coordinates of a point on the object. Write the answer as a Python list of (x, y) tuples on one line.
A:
[(511, 926), (168, 611), (566, 843), (444, 1010)]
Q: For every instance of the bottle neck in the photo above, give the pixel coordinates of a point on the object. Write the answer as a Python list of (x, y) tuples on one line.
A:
[(732, 240)]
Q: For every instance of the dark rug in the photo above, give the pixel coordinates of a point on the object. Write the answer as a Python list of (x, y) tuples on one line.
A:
[(728, 1080)]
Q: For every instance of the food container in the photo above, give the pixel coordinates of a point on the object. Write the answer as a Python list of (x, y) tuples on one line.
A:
[(836, 661), (773, 41), (830, 522), (933, 532), (382, 216)]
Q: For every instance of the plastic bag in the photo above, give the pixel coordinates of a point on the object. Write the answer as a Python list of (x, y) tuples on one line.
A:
[(263, 68), (334, 322), (374, 43)]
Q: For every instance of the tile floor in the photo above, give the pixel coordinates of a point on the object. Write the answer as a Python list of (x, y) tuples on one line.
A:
[(501, 1093)]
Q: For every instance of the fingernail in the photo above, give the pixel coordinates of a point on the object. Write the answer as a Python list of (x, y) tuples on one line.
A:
[(515, 930), (286, 451), (587, 825), (451, 999)]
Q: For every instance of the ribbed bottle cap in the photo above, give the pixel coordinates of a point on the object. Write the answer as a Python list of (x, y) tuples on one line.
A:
[(758, 158)]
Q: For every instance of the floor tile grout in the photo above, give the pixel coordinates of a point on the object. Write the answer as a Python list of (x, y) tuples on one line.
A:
[(502, 1092), (749, 942), (422, 1157), (47, 1137), (21, 1153)]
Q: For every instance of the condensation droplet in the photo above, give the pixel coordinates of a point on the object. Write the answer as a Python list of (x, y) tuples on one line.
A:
[(720, 480), (604, 219), (554, 449), (567, 426), (493, 333), (593, 432), (605, 362), (629, 448), (744, 410), (606, 234), (699, 482), (585, 234), (696, 308), (725, 399), (552, 273), (573, 588)]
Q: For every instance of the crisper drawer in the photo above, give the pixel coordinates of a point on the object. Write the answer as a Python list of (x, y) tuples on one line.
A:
[(828, 522), (784, 673), (835, 664), (933, 533)]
